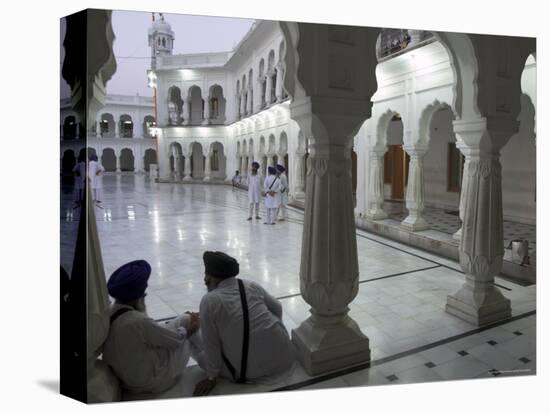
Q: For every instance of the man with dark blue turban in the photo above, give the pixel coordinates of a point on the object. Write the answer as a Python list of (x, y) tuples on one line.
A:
[(254, 191), (271, 189), (243, 334), (146, 356)]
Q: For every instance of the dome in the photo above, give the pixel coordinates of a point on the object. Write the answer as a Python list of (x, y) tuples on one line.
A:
[(161, 26)]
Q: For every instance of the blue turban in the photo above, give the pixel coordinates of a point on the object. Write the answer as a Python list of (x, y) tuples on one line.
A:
[(129, 282), (220, 265), (255, 165), (93, 157), (281, 168), (271, 170)]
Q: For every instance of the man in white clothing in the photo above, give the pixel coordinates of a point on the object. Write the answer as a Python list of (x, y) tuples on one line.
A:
[(242, 329), (283, 193), (80, 178), (95, 176), (254, 190), (271, 189), (145, 356)]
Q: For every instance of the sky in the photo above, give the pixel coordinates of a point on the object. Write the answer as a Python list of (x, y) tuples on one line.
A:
[(193, 34)]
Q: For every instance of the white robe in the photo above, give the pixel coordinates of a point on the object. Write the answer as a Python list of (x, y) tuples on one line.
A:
[(96, 181), (254, 189), (271, 201), (145, 356), (283, 194), (270, 351)]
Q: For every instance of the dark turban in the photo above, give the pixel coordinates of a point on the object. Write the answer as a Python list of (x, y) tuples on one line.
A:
[(220, 265), (281, 168), (129, 282), (255, 165), (271, 170)]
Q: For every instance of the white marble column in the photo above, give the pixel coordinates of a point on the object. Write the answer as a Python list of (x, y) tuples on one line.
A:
[(243, 103), (258, 94), (264, 164), (117, 129), (98, 129), (279, 82), (187, 110), (243, 166), (299, 175), (207, 167), (415, 189), (187, 165), (140, 163), (375, 185), (463, 188), (481, 248), (206, 117), (268, 89)]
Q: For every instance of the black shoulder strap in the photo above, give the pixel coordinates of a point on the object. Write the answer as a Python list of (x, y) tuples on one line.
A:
[(273, 182), (246, 333), (119, 312)]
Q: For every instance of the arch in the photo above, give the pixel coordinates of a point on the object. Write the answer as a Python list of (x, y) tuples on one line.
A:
[(426, 117), (261, 68), (68, 161), (250, 77), (271, 145), (175, 153), (108, 160), (382, 124), (126, 160), (283, 143), (126, 126), (281, 51), (196, 160), (150, 157), (217, 105), (196, 105), (238, 148), (218, 160), (70, 127), (251, 146), (244, 82), (175, 106), (107, 125), (148, 123), (271, 60), (262, 145)]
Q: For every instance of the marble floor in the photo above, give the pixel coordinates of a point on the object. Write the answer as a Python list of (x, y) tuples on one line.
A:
[(400, 304)]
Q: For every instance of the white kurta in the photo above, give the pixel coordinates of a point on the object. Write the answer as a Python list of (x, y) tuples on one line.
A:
[(270, 350), (283, 194), (96, 181), (145, 356), (271, 201), (254, 188)]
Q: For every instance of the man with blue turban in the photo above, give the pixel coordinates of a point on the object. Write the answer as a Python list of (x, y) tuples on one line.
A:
[(244, 337), (271, 189), (146, 356)]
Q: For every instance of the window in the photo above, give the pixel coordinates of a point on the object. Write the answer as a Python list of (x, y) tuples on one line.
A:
[(455, 166)]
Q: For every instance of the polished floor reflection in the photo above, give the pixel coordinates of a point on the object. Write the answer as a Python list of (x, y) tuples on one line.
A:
[(400, 304)]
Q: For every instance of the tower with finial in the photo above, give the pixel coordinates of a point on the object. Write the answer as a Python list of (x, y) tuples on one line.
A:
[(161, 39)]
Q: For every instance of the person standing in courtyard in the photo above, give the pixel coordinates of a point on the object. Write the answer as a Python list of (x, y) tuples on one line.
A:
[(271, 189), (254, 191), (236, 180), (146, 356), (242, 330), (79, 171), (283, 193), (95, 172)]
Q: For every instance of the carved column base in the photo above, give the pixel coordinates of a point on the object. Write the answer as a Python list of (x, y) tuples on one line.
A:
[(207, 178), (187, 178), (458, 234), (376, 214), (479, 303), (324, 346), (205, 122), (415, 223)]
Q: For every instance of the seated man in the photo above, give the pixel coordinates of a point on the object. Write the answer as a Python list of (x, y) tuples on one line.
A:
[(242, 330), (145, 356)]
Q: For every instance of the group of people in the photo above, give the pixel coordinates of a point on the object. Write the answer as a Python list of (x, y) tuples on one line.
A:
[(238, 333), (94, 178), (274, 188)]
